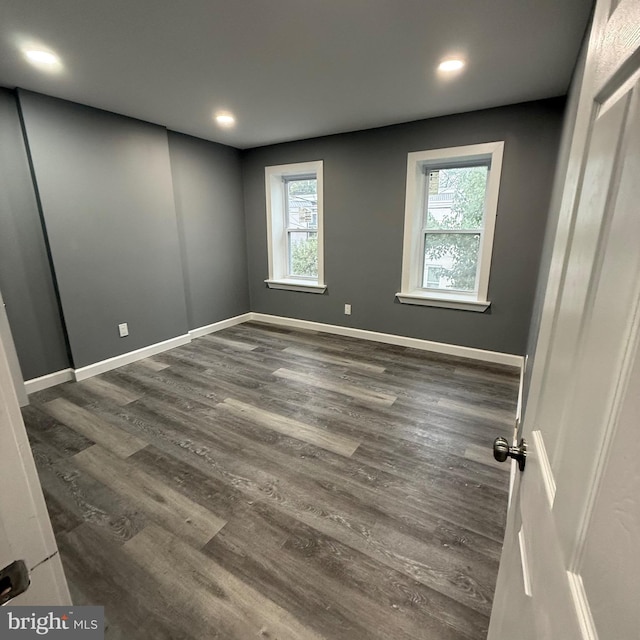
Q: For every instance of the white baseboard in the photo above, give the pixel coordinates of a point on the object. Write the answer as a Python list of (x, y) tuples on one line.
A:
[(127, 358), (50, 380), (58, 377), (218, 326), (388, 338)]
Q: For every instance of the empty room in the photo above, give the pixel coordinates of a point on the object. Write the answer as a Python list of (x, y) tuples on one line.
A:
[(319, 319)]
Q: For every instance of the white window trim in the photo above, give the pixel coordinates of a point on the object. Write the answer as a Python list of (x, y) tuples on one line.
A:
[(411, 290), (276, 236)]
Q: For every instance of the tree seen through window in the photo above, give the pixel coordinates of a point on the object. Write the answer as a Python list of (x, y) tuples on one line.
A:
[(453, 227), (302, 227)]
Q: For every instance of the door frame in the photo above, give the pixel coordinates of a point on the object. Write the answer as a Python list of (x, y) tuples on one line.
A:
[(25, 527), (12, 355)]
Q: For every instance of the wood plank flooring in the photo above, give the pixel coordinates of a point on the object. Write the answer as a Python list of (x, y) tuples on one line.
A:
[(267, 483)]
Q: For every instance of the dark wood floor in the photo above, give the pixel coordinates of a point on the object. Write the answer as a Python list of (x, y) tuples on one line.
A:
[(275, 484)]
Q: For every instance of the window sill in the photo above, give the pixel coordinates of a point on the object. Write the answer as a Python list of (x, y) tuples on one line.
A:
[(296, 285), (447, 301)]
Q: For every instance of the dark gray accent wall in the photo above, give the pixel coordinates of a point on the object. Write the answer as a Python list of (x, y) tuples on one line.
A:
[(207, 185), (364, 195), (25, 276), (105, 187)]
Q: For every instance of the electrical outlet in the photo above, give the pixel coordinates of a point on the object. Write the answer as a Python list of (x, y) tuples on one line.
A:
[(123, 329), (347, 309)]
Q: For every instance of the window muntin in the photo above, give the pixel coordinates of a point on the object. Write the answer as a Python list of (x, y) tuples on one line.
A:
[(453, 224), (301, 221)]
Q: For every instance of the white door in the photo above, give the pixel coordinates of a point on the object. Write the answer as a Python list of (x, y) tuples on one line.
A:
[(25, 529), (571, 565)]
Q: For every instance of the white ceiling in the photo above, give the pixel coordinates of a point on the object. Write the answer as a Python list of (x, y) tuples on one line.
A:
[(291, 69)]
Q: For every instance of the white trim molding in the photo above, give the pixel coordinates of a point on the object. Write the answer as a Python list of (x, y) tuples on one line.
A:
[(296, 285), (218, 326), (50, 380), (127, 358), (545, 467), (581, 603), (389, 338), (524, 560), (516, 428), (66, 375), (277, 242), (412, 289), (443, 300), (520, 404)]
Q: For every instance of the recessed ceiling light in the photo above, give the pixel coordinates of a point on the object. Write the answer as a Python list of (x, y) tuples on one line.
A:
[(41, 57), (453, 64), (225, 119)]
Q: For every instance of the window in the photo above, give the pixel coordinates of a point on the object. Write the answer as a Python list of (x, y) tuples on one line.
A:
[(294, 227), (451, 203)]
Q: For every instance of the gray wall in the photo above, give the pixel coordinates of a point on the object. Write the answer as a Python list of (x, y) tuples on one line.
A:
[(364, 193), (25, 276), (207, 185), (147, 228), (107, 199)]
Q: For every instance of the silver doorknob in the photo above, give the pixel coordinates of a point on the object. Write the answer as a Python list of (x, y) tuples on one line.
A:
[(502, 451)]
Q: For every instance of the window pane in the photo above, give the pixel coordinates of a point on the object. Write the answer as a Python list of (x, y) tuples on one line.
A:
[(451, 261), (303, 254), (455, 198), (302, 204)]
